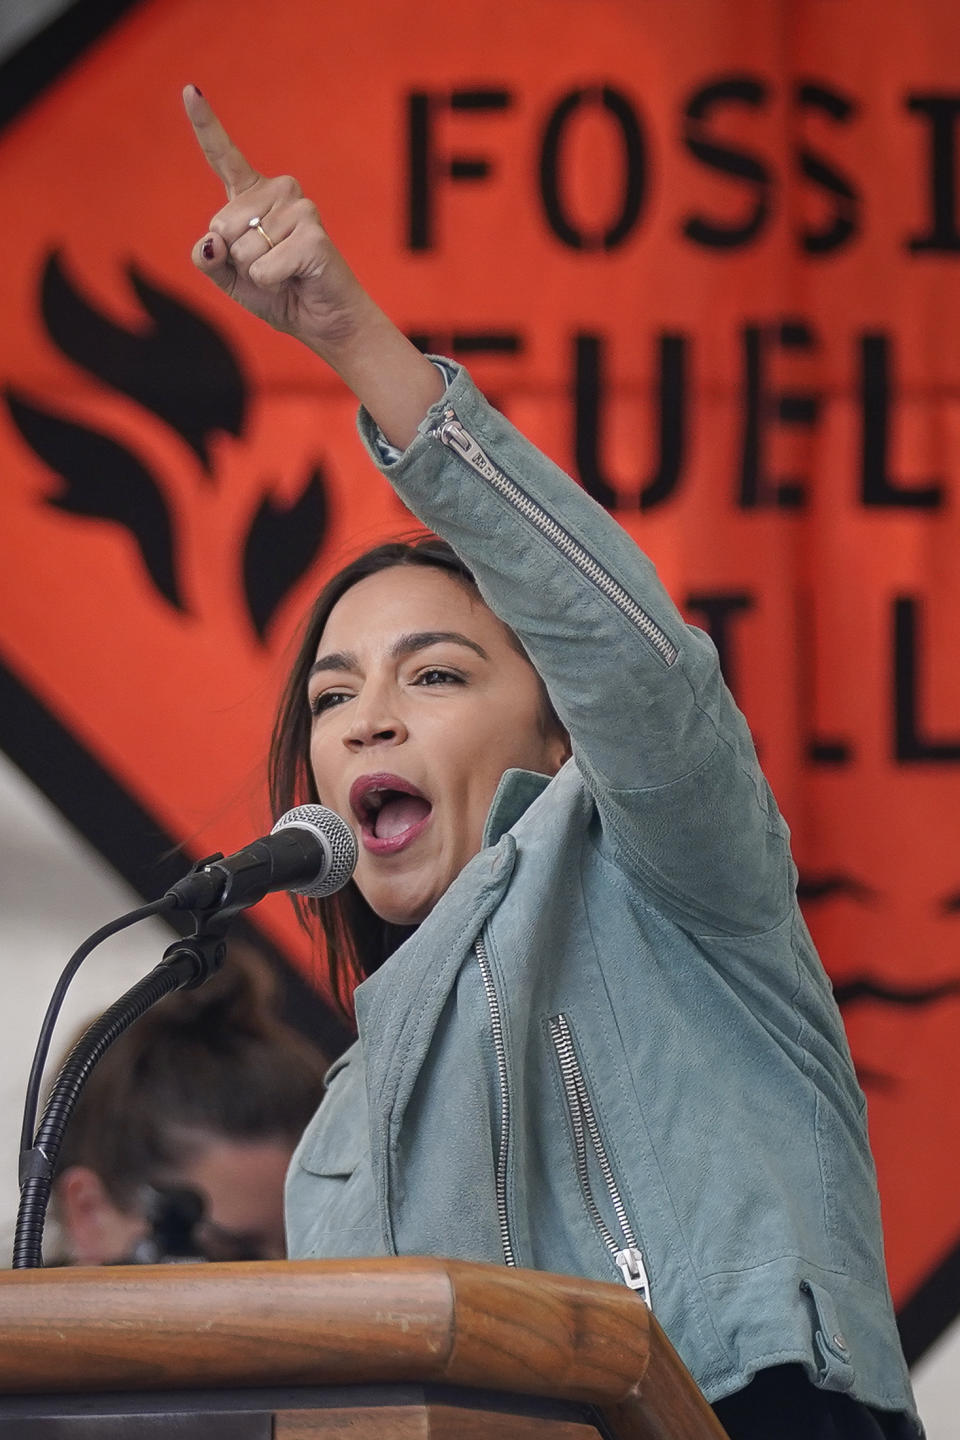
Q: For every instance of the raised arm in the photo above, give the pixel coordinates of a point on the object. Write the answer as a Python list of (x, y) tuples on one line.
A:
[(656, 734), (267, 249)]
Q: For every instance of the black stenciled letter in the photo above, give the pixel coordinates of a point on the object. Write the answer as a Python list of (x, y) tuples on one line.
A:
[(941, 112), (719, 608), (819, 747), (468, 342), (742, 165), (843, 220), (468, 345), (790, 407), (426, 166), (617, 106), (909, 742), (876, 486), (589, 390)]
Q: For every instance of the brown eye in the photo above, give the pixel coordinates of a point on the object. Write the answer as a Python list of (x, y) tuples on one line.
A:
[(326, 700), (437, 676)]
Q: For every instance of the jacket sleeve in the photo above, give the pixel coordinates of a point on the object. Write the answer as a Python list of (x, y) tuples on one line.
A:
[(667, 755)]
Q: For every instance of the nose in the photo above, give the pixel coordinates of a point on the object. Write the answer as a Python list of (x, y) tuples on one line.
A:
[(373, 724)]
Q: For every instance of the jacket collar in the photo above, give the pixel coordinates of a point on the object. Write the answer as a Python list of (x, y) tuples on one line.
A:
[(516, 792), (470, 899)]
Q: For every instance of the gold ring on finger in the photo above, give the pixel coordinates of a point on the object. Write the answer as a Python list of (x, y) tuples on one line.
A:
[(254, 224)]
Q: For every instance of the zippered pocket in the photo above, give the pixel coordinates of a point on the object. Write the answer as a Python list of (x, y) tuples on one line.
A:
[(621, 1242), (451, 433)]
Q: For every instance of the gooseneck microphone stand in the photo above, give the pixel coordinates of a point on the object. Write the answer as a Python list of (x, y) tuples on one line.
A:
[(310, 850), (186, 964)]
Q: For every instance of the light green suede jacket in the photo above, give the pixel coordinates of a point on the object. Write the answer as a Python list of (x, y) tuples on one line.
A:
[(611, 1050)]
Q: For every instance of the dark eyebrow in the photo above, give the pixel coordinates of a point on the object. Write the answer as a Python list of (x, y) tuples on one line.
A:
[(404, 645), (423, 639), (336, 660)]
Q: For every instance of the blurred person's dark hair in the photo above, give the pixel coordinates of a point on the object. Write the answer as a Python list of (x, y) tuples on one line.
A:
[(206, 1094)]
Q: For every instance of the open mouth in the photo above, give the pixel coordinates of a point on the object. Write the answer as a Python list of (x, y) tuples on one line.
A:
[(392, 812)]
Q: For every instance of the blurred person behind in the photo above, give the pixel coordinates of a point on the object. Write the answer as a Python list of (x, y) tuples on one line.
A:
[(181, 1138)]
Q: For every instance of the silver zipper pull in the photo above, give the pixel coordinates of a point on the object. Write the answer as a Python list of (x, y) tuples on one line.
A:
[(451, 433), (633, 1272)]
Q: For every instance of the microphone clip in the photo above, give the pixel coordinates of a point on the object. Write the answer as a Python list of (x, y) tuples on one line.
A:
[(203, 952)]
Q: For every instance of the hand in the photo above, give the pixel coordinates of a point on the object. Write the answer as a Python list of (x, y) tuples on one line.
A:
[(296, 279), (289, 273)]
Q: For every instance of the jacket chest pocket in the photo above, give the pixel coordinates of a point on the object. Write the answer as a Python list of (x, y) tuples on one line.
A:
[(600, 1188), (330, 1196), (333, 1154), (330, 1201)]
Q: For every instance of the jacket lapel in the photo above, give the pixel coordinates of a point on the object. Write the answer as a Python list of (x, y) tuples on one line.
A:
[(399, 1007)]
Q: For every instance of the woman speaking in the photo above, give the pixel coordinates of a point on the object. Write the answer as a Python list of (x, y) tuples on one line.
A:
[(594, 1036)]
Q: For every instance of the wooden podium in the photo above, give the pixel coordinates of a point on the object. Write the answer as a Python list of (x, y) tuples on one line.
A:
[(286, 1350)]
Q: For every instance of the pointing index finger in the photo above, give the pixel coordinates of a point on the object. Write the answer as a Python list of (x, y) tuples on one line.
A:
[(224, 158)]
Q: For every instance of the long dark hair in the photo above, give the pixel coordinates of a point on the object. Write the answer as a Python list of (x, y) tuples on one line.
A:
[(356, 940)]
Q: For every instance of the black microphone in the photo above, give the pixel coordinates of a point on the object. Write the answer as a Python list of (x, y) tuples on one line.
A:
[(311, 850)]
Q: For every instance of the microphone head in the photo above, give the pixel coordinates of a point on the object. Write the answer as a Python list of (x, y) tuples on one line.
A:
[(338, 841)]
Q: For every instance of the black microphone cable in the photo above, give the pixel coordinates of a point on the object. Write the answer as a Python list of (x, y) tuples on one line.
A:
[(143, 912)]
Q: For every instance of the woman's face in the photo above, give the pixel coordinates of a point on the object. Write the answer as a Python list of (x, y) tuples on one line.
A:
[(420, 702)]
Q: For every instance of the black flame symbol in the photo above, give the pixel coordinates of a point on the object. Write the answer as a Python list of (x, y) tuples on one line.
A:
[(281, 543), (102, 480), (181, 370), (177, 366)]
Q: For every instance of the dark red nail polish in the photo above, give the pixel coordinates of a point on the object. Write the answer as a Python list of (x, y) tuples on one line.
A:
[(207, 250)]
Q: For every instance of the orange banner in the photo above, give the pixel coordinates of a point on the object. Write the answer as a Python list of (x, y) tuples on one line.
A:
[(705, 254)]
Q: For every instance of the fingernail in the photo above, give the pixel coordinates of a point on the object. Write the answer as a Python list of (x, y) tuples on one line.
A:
[(207, 250), (198, 90)]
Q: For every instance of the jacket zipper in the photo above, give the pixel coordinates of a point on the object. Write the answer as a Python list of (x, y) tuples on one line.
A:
[(452, 434), (496, 1027), (626, 1253)]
